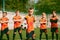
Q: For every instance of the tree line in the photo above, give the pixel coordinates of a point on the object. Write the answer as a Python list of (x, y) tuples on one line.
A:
[(41, 6)]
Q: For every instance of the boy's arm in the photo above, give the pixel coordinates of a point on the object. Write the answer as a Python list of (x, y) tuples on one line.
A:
[(51, 20), (56, 20), (34, 19)]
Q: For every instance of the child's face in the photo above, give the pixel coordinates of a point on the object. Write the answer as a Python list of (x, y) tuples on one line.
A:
[(4, 14), (31, 12), (17, 12), (43, 14), (54, 14)]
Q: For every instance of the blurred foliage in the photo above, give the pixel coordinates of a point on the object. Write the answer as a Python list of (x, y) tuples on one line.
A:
[(41, 6), (47, 6), (12, 5)]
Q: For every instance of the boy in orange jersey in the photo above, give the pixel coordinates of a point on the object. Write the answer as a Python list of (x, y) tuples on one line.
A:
[(17, 24), (30, 24), (43, 26), (54, 25), (4, 25)]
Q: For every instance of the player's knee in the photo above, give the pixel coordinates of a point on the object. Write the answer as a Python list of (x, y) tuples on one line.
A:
[(56, 32), (7, 33), (14, 32), (34, 35), (20, 31)]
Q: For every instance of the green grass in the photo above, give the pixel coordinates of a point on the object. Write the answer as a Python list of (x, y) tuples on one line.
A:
[(37, 32)]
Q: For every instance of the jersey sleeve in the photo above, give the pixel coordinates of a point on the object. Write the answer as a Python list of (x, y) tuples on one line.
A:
[(34, 19)]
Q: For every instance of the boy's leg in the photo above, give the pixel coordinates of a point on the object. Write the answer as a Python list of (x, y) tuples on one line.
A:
[(40, 36), (7, 33), (2, 34), (52, 30), (7, 36), (56, 36), (41, 31), (56, 31), (27, 36), (52, 35), (14, 33), (33, 35), (46, 34), (20, 32)]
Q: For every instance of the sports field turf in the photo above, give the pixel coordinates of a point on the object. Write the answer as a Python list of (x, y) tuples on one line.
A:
[(37, 31)]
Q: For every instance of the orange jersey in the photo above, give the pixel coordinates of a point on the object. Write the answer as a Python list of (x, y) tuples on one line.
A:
[(5, 24), (30, 23), (43, 23), (17, 23), (53, 24)]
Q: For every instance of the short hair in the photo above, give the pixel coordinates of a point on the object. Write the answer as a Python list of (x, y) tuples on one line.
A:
[(4, 12), (16, 11), (54, 11), (30, 9)]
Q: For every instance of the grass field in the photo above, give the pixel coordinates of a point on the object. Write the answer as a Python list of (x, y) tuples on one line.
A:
[(24, 35)]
